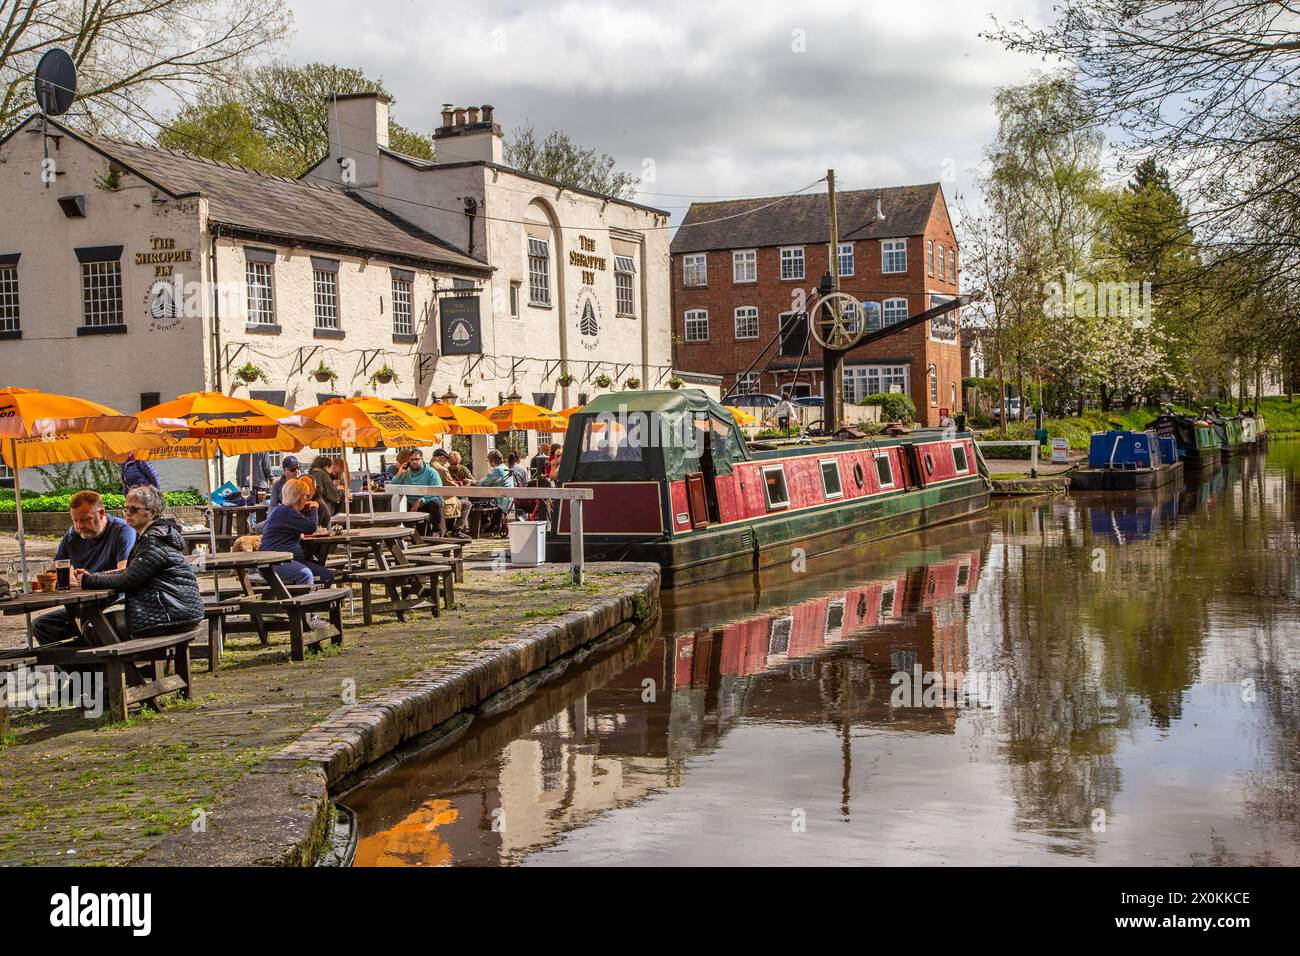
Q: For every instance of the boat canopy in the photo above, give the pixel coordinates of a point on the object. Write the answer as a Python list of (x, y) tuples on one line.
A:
[(650, 436)]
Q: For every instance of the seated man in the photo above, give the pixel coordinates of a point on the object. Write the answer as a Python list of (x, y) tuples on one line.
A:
[(162, 594), (455, 510), (498, 476), (97, 541), (414, 471), (283, 530)]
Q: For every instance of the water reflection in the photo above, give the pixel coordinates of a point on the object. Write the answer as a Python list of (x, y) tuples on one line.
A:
[(1103, 679)]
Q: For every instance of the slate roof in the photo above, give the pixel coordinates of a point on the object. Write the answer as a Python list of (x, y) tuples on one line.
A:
[(804, 219), (257, 203)]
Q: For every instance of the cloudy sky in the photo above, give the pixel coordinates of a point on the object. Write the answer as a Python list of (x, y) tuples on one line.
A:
[(711, 99)]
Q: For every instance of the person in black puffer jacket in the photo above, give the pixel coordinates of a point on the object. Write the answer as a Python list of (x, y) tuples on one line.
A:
[(162, 594)]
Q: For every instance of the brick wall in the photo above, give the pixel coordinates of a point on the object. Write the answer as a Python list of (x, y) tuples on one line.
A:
[(723, 354)]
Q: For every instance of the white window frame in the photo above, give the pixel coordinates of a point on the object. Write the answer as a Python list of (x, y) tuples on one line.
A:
[(624, 286), (751, 313), (101, 293), (839, 485), (846, 250), (890, 248), (885, 310), (788, 275), (539, 272), (943, 275), (747, 383), (929, 257), (744, 266), (964, 466), (697, 316), (10, 301), (515, 289), (767, 488), (695, 270), (889, 461), (259, 277), (403, 293), (325, 300), (952, 265)]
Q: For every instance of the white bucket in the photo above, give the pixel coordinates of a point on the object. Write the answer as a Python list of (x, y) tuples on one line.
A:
[(527, 543)]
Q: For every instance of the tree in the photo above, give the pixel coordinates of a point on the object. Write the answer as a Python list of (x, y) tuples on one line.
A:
[(280, 117), (557, 157), (126, 51)]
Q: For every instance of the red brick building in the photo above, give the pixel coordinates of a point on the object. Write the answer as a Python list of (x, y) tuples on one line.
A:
[(740, 267)]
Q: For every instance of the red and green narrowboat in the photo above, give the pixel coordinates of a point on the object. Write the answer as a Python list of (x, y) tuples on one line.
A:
[(675, 483)]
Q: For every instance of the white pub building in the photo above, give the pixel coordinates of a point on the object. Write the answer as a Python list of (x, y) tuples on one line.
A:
[(131, 274)]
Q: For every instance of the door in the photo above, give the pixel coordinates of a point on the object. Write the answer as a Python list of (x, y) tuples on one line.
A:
[(697, 499)]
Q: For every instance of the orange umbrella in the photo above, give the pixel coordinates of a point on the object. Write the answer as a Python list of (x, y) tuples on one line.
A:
[(741, 416), (566, 412), (211, 422), (523, 417), (462, 420), (365, 421), (41, 428)]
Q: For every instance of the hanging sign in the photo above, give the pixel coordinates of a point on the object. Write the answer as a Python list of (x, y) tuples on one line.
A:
[(462, 331)]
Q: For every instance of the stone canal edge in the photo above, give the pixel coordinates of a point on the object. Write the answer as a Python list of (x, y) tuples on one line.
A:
[(279, 813)]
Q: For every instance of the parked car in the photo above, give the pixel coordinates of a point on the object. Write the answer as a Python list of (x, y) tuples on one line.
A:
[(1013, 410)]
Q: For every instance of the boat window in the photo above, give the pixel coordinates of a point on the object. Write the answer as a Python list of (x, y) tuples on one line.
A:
[(608, 440), (774, 480), (929, 465), (831, 478), (887, 602), (778, 635), (884, 471), (959, 457), (858, 477)]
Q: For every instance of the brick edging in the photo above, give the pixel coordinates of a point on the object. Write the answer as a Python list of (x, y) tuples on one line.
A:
[(279, 813)]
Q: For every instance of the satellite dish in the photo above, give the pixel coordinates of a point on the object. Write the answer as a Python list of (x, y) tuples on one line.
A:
[(56, 82)]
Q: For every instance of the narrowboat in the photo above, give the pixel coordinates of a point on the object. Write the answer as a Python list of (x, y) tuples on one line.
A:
[(675, 483), (1121, 460), (1253, 434), (1229, 432), (1195, 438)]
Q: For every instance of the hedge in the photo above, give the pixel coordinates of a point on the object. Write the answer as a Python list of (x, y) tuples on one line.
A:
[(49, 503), (894, 406)]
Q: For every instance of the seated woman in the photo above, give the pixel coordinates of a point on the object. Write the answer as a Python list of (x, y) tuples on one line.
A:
[(162, 594), (283, 529)]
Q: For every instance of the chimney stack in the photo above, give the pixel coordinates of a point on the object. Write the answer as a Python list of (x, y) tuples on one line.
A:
[(468, 135), (358, 129)]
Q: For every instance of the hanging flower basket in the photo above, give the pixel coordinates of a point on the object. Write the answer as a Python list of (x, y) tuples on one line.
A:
[(384, 376), (249, 373), (676, 382), (564, 381), (632, 384), (602, 381), (323, 373)]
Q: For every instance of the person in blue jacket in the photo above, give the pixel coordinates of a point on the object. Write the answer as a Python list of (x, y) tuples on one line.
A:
[(136, 472), (283, 530)]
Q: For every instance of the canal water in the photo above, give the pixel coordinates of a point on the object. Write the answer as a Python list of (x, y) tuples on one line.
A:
[(1119, 685)]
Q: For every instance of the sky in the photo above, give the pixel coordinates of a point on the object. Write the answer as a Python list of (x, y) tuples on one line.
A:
[(703, 100)]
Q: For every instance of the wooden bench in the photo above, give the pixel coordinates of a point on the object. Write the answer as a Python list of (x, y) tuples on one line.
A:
[(392, 579), (295, 609), (8, 664), (124, 684), (442, 554)]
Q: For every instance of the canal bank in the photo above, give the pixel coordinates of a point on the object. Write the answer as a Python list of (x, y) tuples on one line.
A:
[(243, 773)]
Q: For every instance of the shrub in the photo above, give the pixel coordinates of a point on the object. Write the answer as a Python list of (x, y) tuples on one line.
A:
[(47, 503), (894, 406)]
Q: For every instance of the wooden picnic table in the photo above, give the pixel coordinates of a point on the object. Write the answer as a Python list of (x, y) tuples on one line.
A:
[(381, 519), (361, 501), (387, 547), (131, 671), (264, 609), (234, 519)]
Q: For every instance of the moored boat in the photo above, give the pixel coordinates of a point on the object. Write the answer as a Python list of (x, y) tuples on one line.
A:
[(1229, 432), (1196, 440), (675, 483), (1121, 460)]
